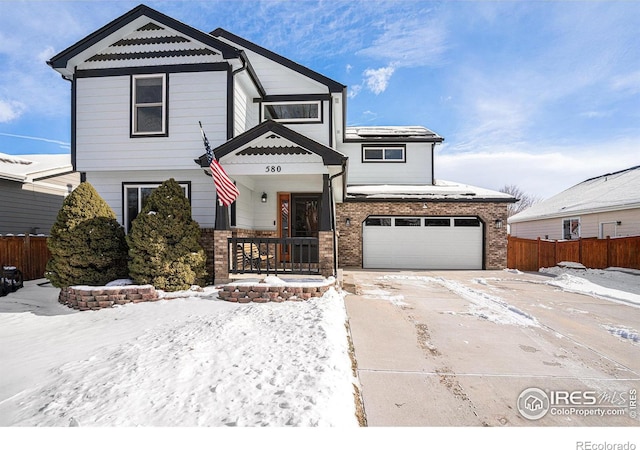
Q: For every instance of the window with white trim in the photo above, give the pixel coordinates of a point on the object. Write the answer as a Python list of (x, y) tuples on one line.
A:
[(135, 196), (571, 228), (292, 112), (377, 153), (149, 105)]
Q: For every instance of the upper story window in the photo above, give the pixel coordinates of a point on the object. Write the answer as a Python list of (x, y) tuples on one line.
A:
[(149, 105), (292, 112), (391, 153)]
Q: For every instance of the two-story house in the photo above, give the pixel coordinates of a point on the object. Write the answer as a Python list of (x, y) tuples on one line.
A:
[(315, 194)]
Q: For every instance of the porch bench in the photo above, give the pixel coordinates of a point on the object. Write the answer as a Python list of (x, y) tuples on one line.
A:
[(252, 257)]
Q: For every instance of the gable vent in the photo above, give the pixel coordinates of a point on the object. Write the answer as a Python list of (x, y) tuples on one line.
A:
[(150, 27), (150, 41), (252, 151), (146, 55)]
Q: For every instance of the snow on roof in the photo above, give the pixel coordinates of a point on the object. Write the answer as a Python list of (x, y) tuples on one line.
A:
[(609, 192), (404, 132), (26, 168), (441, 190)]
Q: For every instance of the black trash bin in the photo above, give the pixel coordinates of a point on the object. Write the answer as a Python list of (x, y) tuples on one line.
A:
[(11, 280)]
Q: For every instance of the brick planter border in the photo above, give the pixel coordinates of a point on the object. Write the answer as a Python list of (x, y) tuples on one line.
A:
[(263, 293), (86, 298)]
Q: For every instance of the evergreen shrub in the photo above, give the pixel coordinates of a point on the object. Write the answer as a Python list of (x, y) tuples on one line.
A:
[(164, 242), (86, 242)]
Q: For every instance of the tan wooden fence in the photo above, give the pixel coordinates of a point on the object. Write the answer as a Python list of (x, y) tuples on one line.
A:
[(532, 254), (28, 253)]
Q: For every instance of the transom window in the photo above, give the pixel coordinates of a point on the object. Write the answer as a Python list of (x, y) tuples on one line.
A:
[(383, 154), (292, 111), (149, 105), (135, 197)]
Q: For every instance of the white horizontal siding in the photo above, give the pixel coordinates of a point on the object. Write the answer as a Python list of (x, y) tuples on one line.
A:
[(416, 169), (103, 114), (109, 186), (245, 111), (280, 80)]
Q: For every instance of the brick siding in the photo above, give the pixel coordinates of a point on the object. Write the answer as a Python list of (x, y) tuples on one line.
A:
[(350, 237)]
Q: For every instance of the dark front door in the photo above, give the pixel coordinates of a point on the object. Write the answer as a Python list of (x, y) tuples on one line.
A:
[(299, 218)]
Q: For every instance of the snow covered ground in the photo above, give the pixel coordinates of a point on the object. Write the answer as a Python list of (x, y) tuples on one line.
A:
[(616, 284), (189, 361)]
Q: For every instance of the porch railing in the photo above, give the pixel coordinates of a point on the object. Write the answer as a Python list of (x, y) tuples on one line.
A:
[(296, 255)]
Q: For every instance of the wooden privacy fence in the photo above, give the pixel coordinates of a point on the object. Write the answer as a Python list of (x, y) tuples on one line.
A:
[(532, 254), (27, 253)]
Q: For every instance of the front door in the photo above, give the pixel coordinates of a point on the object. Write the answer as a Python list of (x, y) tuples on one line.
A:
[(299, 217)]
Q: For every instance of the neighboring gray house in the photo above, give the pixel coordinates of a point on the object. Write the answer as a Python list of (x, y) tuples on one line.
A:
[(32, 188), (607, 205)]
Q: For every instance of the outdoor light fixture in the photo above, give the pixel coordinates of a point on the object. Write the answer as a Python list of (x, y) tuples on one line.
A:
[(264, 197), (347, 222), (618, 223), (498, 223)]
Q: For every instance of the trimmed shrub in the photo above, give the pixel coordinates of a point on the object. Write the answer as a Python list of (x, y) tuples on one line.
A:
[(164, 242), (87, 243)]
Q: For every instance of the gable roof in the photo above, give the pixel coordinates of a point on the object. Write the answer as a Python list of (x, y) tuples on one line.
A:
[(65, 61), (333, 85), (608, 192), (269, 128), (29, 168)]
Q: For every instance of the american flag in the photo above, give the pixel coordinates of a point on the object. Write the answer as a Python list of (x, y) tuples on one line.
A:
[(226, 190)]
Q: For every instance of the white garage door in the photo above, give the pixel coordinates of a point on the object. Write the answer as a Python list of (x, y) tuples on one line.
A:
[(422, 243)]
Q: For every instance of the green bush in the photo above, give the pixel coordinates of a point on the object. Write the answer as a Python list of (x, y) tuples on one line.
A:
[(164, 242), (86, 243)]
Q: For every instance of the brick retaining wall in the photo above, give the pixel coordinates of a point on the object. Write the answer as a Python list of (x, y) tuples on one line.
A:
[(261, 293), (87, 298)]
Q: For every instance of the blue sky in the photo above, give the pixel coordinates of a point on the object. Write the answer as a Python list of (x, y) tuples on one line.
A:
[(540, 94)]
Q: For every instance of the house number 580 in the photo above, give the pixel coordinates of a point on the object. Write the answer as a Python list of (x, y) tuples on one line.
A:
[(273, 169)]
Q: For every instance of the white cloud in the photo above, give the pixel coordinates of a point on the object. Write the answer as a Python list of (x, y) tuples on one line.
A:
[(412, 42), (10, 110), (537, 172), (377, 80), (630, 83), (354, 90), (348, 68), (61, 144)]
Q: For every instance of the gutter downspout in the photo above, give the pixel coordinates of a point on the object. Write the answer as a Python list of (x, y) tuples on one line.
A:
[(333, 217)]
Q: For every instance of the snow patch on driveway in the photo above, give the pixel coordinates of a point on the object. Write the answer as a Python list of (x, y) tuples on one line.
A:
[(483, 305)]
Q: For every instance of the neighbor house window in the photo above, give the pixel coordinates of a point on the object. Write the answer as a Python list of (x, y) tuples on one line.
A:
[(149, 105), (571, 228), (372, 153), (292, 112), (135, 196)]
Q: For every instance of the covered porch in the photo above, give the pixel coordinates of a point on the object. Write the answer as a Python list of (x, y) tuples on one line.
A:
[(283, 221)]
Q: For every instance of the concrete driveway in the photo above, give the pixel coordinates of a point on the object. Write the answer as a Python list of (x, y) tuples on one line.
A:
[(458, 348)]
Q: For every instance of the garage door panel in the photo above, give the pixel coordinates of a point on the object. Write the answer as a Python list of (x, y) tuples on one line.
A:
[(423, 247)]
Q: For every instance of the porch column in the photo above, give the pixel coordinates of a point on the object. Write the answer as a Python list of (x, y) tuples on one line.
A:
[(325, 205), (221, 256), (221, 232), (222, 217), (325, 257)]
